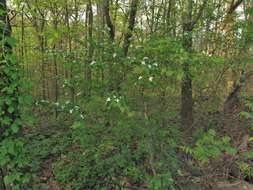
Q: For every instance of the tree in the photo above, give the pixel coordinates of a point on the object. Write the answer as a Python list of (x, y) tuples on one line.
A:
[(8, 73), (90, 49), (10, 118), (111, 27), (130, 26), (186, 87)]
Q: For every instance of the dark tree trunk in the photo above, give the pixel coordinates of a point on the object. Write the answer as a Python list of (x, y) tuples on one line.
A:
[(186, 86), (108, 19), (90, 47), (130, 28)]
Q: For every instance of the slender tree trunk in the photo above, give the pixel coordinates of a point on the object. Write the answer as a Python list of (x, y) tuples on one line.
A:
[(42, 45), (111, 31), (101, 35), (69, 39), (90, 47), (43, 65), (56, 85), (108, 19), (130, 27), (22, 38), (186, 86)]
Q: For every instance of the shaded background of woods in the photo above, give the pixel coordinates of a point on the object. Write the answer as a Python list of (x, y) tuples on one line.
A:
[(59, 41)]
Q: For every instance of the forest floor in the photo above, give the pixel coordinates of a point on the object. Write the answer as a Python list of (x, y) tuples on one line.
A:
[(50, 142)]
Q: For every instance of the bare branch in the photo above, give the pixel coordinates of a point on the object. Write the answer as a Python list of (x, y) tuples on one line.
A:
[(234, 6), (200, 13)]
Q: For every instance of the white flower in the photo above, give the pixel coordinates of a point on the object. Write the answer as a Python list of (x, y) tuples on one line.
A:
[(155, 64), (71, 111), (82, 116), (79, 93), (56, 103), (67, 102), (108, 99), (44, 101), (93, 62), (114, 55), (149, 66), (151, 79), (143, 63), (76, 107), (144, 58), (140, 77), (117, 100)]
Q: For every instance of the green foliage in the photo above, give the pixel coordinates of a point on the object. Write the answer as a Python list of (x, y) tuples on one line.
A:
[(120, 145), (210, 146), (245, 168), (248, 113), (109, 120), (12, 157)]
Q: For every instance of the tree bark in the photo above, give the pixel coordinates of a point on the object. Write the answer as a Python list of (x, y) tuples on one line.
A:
[(108, 19), (90, 47), (130, 28), (186, 87)]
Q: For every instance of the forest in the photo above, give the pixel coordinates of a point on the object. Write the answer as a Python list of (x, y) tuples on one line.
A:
[(126, 95)]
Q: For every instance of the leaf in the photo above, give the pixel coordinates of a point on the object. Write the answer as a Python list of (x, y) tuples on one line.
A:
[(11, 41), (248, 154), (231, 150), (78, 125), (15, 128), (11, 109)]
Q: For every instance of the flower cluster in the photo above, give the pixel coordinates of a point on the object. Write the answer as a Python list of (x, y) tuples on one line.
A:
[(151, 78), (149, 65), (65, 106), (114, 99)]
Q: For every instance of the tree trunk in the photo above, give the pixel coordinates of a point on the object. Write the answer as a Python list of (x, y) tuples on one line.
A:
[(90, 47), (108, 19), (9, 99), (130, 28), (6, 79), (56, 82), (186, 86)]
